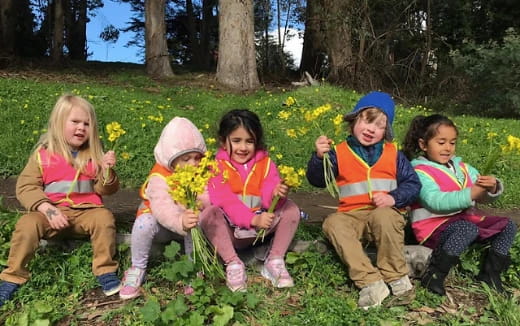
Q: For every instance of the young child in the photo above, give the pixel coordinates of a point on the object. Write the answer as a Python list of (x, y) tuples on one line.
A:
[(375, 181), (159, 217), (445, 218), (241, 195), (61, 187)]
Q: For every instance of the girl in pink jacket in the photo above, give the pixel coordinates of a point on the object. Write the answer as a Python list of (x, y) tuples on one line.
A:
[(159, 217), (241, 193)]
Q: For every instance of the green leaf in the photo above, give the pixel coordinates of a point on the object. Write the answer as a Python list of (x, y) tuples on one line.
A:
[(291, 258), (252, 300), (151, 310), (41, 322), (42, 307), (171, 250), (222, 315), (196, 319)]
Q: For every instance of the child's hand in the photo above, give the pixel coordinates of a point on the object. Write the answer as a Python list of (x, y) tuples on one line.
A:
[(263, 220), (56, 218), (477, 192), (487, 182), (189, 220), (383, 200), (108, 160), (281, 190), (322, 145)]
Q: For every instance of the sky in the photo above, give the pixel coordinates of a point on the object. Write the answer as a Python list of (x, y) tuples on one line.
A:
[(118, 14)]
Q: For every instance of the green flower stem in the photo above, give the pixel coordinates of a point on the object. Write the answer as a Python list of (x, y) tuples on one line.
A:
[(261, 232)]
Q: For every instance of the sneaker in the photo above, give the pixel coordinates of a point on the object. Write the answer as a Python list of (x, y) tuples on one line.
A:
[(236, 277), (109, 283), (274, 270), (7, 289), (132, 281), (401, 286), (373, 294)]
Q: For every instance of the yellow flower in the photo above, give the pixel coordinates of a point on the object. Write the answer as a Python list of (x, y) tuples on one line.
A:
[(291, 133), (125, 156), (211, 141), (290, 176), (284, 115), (290, 101)]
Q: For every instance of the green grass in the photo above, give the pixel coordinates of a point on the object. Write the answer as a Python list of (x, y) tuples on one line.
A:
[(62, 282)]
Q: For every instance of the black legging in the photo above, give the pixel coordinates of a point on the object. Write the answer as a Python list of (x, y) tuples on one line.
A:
[(459, 235)]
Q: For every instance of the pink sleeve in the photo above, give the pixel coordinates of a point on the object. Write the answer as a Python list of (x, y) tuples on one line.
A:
[(270, 182), (164, 208), (221, 195)]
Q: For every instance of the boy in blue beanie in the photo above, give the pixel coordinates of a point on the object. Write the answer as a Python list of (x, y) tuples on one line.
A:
[(375, 183)]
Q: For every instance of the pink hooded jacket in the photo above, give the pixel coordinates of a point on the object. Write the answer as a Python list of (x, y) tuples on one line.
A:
[(221, 195), (179, 136)]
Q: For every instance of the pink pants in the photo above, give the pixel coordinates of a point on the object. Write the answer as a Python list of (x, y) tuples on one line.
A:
[(221, 235)]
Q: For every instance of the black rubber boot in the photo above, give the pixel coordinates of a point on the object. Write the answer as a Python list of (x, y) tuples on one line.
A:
[(491, 269), (440, 265)]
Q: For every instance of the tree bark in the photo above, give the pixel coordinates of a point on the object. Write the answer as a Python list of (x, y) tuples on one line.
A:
[(156, 53), (339, 41), (77, 30), (236, 66), (57, 34), (7, 32), (313, 54), (192, 34)]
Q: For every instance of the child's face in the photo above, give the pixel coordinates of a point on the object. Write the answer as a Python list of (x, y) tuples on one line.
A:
[(369, 133), (440, 148), (77, 128), (191, 158), (240, 145)]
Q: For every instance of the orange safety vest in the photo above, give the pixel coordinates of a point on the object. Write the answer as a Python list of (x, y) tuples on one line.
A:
[(63, 184), (250, 191), (157, 170), (357, 182), (425, 222)]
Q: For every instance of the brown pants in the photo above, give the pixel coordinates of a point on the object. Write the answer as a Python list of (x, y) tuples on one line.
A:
[(98, 223), (383, 226)]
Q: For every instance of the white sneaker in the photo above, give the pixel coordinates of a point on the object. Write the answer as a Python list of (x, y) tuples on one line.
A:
[(373, 294), (401, 285)]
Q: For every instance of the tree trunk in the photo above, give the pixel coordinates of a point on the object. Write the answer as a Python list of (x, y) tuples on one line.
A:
[(237, 56), (339, 41), (157, 57), (313, 54), (205, 35), (57, 34), (7, 32), (192, 34), (77, 30)]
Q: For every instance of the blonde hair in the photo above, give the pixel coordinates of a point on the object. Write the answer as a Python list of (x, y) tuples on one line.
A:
[(54, 140), (370, 114)]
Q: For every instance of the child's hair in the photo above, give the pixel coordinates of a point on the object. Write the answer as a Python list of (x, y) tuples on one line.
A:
[(370, 114), (425, 128), (54, 140), (241, 118)]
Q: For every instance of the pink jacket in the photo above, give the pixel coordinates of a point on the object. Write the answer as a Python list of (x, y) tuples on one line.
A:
[(178, 137), (221, 195)]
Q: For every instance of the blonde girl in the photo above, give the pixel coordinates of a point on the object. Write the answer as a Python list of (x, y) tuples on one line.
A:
[(61, 188)]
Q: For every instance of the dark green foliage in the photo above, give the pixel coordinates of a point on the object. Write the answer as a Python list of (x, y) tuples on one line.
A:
[(493, 74)]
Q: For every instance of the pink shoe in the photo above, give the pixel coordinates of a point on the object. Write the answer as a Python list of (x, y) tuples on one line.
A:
[(131, 283), (274, 270), (236, 277)]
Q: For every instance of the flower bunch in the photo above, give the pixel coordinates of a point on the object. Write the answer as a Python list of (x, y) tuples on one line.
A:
[(114, 131), (513, 145), (291, 178), (186, 183)]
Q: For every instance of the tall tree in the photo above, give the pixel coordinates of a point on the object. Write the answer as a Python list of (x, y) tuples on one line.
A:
[(156, 56), (313, 53), (236, 66), (7, 27), (57, 34)]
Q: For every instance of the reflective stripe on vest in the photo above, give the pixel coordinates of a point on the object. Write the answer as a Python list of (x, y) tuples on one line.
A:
[(159, 171), (358, 182), (425, 222), (63, 184), (250, 190)]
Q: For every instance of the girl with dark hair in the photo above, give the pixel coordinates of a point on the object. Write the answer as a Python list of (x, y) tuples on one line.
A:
[(241, 193), (445, 218)]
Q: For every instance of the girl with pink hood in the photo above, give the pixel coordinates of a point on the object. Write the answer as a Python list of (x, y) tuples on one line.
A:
[(159, 217)]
